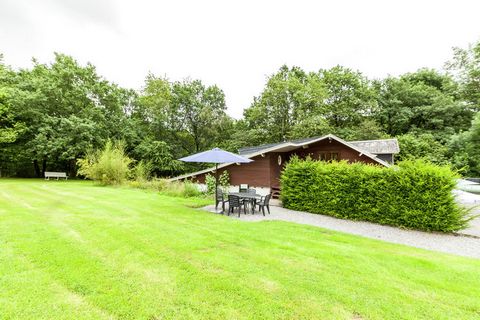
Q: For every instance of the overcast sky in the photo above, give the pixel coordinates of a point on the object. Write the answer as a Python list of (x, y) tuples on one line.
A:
[(236, 45)]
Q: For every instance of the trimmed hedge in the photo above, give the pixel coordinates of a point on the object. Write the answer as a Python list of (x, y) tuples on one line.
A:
[(414, 194)]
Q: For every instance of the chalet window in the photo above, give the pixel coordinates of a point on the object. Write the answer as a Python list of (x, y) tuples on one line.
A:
[(328, 156)]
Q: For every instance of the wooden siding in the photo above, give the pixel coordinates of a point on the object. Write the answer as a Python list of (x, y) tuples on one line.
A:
[(255, 174), (333, 146), (275, 168)]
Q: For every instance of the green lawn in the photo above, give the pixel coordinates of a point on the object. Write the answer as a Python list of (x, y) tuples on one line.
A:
[(72, 250)]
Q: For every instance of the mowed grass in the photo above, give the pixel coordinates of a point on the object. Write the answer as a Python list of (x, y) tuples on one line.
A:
[(73, 250)]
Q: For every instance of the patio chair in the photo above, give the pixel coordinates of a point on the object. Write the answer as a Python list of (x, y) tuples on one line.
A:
[(220, 199), (264, 203), (234, 202), (252, 202), (243, 188)]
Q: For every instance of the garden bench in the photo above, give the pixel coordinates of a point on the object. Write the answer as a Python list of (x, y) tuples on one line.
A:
[(49, 174)]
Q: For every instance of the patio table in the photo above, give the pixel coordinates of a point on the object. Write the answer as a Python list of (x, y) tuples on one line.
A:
[(247, 196)]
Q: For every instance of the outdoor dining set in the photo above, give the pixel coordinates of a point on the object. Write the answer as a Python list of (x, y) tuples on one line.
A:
[(246, 199)]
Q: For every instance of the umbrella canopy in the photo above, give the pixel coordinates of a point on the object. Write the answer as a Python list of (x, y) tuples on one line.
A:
[(216, 156)]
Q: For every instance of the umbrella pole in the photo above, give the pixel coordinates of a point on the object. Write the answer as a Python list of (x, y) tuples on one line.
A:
[(216, 184)]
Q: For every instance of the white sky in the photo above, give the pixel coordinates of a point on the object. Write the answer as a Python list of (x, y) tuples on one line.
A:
[(236, 44)]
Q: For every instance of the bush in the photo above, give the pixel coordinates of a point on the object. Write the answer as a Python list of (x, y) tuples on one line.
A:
[(107, 166), (182, 189), (190, 189), (210, 182), (159, 185), (185, 189), (223, 182), (415, 194), (464, 151), (421, 146), (142, 171)]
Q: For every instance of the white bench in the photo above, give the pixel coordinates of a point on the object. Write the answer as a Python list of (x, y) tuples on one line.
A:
[(49, 174)]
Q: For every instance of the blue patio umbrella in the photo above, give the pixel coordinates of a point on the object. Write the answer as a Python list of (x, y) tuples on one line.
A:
[(216, 156)]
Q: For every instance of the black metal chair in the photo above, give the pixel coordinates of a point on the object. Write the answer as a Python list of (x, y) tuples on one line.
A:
[(220, 199), (264, 203), (234, 202), (251, 201), (243, 188)]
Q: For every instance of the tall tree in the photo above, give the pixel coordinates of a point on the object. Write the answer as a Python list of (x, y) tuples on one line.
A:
[(422, 102), (197, 116), (464, 150), (465, 67), (187, 115), (350, 97), (153, 105), (10, 126), (425, 146), (296, 104), (290, 96), (66, 109)]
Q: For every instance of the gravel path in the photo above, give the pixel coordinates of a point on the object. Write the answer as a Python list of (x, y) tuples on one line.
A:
[(472, 201), (463, 245)]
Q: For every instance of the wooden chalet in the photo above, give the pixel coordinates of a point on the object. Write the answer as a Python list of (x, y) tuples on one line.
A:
[(269, 159)]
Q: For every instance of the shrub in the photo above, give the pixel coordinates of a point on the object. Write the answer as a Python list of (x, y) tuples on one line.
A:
[(414, 194), (107, 166), (223, 182), (190, 189), (210, 182), (185, 189), (182, 189), (142, 171), (155, 184), (158, 184), (421, 146)]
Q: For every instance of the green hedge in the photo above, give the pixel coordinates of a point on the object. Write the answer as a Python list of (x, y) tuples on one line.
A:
[(414, 194)]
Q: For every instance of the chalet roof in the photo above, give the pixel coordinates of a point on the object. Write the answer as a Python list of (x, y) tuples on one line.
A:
[(256, 149), (383, 146), (249, 150)]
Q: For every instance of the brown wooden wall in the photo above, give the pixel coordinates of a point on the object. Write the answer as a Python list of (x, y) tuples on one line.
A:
[(275, 168), (265, 171), (344, 152), (255, 174)]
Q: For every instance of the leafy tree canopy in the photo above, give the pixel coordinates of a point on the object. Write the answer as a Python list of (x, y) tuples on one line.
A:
[(465, 67), (424, 101), (52, 114)]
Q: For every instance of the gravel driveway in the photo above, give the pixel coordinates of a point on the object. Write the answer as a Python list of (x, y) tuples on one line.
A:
[(467, 244), (472, 201)]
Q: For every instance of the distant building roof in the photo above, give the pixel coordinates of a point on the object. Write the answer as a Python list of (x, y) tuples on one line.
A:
[(382, 146)]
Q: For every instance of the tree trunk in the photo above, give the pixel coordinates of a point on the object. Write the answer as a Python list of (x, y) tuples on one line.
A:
[(36, 168), (44, 166), (72, 168)]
